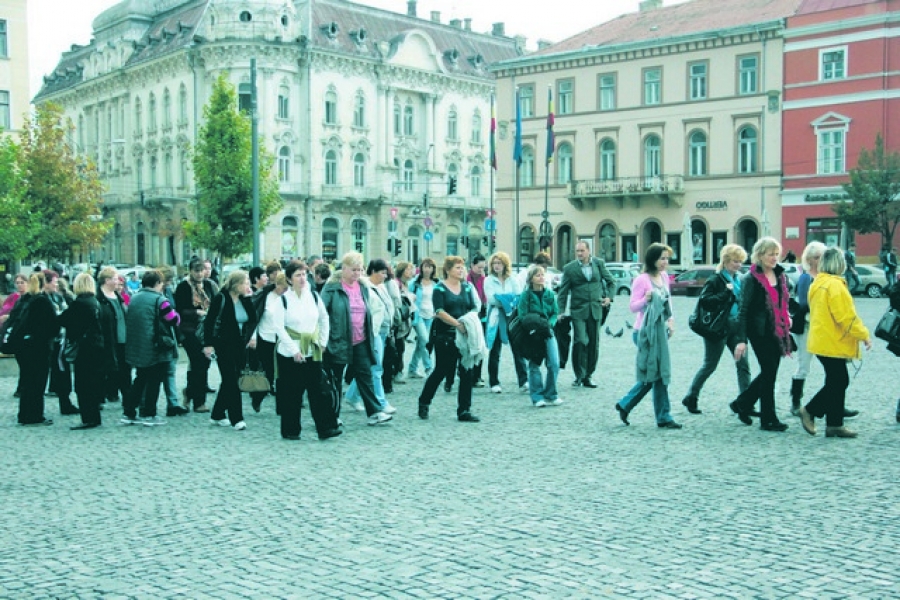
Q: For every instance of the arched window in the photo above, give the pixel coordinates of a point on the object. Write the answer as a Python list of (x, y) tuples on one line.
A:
[(607, 160), (154, 183), (284, 102), (747, 150), (452, 125), (564, 165), (358, 231), (331, 168), (526, 170), (290, 234), (151, 113), (140, 241), (413, 252), (330, 239), (408, 120), (475, 180), (167, 168), (182, 105), (182, 168), (652, 158), (527, 248), (284, 164), (697, 154), (167, 109), (331, 107), (398, 118), (476, 128), (409, 174), (359, 111), (80, 133), (359, 170)]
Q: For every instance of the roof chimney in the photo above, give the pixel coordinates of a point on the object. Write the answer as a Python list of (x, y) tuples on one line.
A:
[(456, 23), (541, 44), (498, 29), (648, 5), (435, 16), (467, 24), (520, 44), (411, 8)]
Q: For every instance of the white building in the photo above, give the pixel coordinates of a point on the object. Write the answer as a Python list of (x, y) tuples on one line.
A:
[(367, 112)]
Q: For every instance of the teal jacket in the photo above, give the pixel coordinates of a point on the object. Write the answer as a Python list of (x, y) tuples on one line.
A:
[(546, 306)]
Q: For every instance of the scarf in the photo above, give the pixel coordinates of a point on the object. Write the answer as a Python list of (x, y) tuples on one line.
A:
[(777, 303), (200, 298)]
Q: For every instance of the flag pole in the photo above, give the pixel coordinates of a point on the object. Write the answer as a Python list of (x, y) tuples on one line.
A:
[(493, 158), (546, 229), (517, 158)]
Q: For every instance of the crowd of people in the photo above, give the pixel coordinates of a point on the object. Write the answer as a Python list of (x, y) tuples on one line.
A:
[(324, 337)]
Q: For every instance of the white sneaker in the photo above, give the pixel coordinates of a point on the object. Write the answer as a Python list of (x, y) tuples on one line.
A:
[(523, 387), (358, 406), (400, 378), (379, 418), (540, 404), (556, 402), (152, 421), (496, 389), (415, 375), (389, 409), (240, 426), (220, 422)]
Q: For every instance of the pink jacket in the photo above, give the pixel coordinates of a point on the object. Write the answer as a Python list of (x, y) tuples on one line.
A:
[(639, 288)]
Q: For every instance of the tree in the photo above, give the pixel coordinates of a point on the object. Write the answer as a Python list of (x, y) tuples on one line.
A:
[(17, 225), (223, 176), (874, 191), (63, 191)]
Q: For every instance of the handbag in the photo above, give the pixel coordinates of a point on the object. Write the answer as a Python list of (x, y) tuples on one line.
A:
[(69, 350), (888, 327), (253, 381), (712, 324)]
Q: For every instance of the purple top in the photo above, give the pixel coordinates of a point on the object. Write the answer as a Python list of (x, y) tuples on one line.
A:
[(639, 288), (357, 312)]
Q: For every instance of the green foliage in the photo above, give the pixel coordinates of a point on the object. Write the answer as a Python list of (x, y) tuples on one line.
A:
[(18, 225), (222, 173), (63, 192), (874, 192)]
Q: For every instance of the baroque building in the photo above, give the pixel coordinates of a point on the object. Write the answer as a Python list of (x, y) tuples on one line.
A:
[(13, 64), (667, 129), (367, 112)]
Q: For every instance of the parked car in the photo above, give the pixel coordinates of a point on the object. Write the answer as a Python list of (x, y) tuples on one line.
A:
[(871, 280), (624, 274), (692, 281)]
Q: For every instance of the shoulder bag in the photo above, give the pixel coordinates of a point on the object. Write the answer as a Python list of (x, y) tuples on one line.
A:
[(888, 327), (710, 323), (252, 380)]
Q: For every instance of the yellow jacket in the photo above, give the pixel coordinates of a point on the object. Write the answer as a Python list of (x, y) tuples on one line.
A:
[(835, 330)]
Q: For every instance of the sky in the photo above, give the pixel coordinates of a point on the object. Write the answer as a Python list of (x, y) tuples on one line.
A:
[(54, 25)]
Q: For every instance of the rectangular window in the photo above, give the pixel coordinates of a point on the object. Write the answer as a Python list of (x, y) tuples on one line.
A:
[(244, 99), (565, 102), (832, 64), (5, 121), (652, 86), (748, 74), (283, 107), (4, 39), (831, 152), (698, 76), (526, 100), (607, 92)]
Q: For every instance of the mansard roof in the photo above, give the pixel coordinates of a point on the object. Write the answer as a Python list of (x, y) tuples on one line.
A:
[(672, 22)]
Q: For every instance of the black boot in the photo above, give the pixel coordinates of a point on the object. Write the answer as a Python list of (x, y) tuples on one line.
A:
[(796, 395), (690, 403)]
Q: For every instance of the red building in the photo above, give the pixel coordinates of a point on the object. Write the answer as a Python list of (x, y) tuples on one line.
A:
[(841, 88)]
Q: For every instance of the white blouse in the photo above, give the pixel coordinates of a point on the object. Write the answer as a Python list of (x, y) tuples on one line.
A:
[(303, 314)]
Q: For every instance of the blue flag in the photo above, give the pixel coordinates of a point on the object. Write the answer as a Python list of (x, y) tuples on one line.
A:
[(517, 147)]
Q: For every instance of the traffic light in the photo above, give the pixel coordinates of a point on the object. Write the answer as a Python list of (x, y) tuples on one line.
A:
[(390, 245), (464, 241), (451, 185)]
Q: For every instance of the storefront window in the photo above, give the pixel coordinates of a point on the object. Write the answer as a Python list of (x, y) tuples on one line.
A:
[(827, 231)]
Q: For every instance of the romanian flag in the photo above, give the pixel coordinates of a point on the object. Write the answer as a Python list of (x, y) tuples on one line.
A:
[(551, 140), (493, 135), (517, 146)]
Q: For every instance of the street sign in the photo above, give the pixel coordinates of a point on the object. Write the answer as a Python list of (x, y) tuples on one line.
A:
[(427, 222), (428, 236), (490, 225)]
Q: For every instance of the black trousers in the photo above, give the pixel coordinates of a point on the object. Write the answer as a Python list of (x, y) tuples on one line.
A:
[(34, 370), (89, 382), (494, 364), (446, 358), (60, 379), (263, 358), (586, 347), (145, 389), (198, 370), (360, 369), (762, 388), (829, 401), (117, 381), (229, 400), (293, 380)]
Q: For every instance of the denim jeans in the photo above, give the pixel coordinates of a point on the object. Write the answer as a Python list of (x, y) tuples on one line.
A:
[(169, 384), (803, 355), (518, 362), (352, 393), (538, 387), (661, 405), (711, 357), (420, 354)]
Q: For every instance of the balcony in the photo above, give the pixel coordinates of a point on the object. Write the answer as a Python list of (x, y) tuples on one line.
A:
[(584, 194)]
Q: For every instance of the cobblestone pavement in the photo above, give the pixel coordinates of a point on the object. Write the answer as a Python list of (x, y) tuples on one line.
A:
[(559, 502)]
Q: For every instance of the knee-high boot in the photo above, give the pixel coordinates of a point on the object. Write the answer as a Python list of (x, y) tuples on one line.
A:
[(796, 395)]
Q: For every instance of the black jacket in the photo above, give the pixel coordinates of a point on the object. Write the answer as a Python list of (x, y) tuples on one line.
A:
[(221, 327), (184, 303), (715, 294), (109, 326), (340, 335), (82, 323), (755, 320)]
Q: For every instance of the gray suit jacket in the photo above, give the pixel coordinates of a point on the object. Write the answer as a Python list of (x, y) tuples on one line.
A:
[(584, 297)]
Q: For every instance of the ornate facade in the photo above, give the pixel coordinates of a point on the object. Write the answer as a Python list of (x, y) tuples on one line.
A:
[(368, 113)]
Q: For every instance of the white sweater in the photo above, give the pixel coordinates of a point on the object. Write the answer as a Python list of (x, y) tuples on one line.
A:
[(302, 314)]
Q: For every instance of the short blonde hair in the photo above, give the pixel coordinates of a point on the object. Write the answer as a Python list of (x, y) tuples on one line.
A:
[(105, 274), (84, 284), (352, 259), (503, 257), (763, 246), (729, 253), (833, 261), (812, 250)]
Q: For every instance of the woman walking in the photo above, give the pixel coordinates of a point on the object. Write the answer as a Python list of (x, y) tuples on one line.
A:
[(501, 286), (453, 301), (117, 372), (423, 287), (763, 319), (835, 331), (721, 292), (810, 258), (228, 330), (302, 331), (538, 299), (654, 324), (41, 323), (82, 323)]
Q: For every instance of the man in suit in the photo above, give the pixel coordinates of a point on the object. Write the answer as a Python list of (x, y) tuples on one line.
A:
[(586, 286)]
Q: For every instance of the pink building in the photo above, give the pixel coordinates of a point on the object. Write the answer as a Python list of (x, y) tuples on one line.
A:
[(841, 88)]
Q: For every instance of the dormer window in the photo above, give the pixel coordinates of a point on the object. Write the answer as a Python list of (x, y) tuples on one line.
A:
[(246, 17), (477, 61), (284, 20), (359, 36), (331, 30), (452, 55)]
